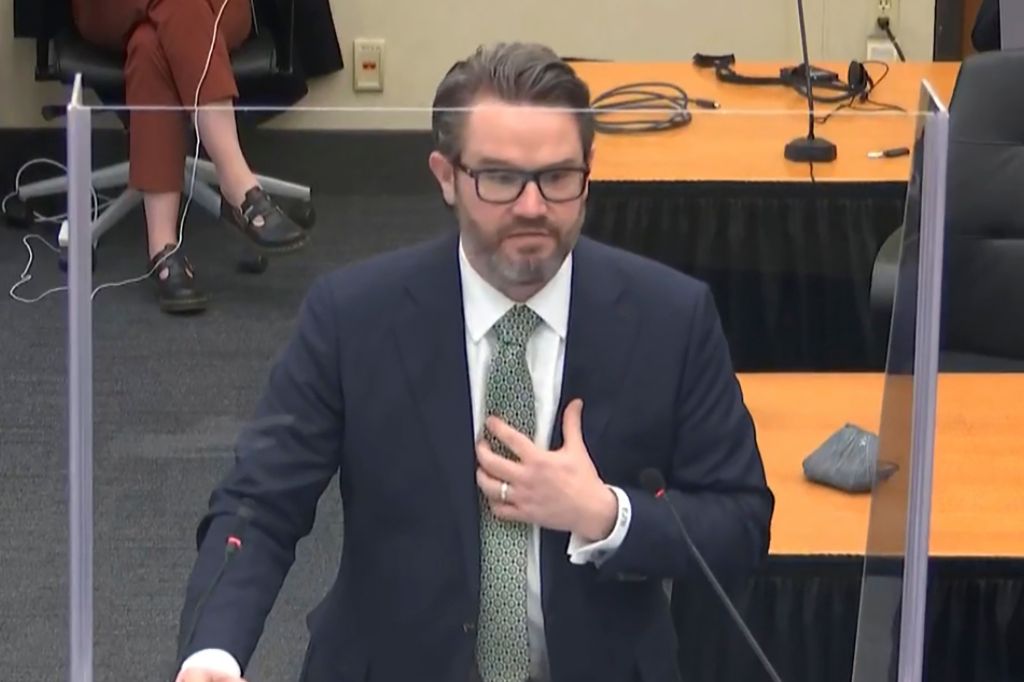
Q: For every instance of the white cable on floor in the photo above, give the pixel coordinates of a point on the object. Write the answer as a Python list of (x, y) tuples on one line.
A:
[(25, 274)]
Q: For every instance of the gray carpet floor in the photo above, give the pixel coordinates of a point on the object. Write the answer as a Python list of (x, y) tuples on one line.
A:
[(170, 396)]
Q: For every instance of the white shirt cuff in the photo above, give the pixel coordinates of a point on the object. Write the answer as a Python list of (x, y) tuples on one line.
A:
[(216, 660), (597, 552)]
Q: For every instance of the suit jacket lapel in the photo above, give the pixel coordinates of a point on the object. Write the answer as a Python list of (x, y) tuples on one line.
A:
[(432, 345), (602, 330), (603, 326)]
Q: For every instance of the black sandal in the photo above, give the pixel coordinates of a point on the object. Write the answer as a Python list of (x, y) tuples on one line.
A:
[(177, 292), (277, 234)]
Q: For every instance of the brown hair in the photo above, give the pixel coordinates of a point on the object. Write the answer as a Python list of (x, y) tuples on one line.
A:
[(520, 73)]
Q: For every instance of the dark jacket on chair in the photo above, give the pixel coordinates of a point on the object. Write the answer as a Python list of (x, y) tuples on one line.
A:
[(317, 51), (985, 36)]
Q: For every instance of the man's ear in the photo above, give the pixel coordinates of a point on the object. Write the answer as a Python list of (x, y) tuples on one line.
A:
[(444, 171), (590, 164)]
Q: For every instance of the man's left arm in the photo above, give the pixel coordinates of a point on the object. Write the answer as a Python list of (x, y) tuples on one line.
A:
[(716, 480)]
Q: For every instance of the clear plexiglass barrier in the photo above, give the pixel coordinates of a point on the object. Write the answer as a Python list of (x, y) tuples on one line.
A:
[(282, 344)]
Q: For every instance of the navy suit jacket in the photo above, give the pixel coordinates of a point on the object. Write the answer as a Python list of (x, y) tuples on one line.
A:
[(373, 386)]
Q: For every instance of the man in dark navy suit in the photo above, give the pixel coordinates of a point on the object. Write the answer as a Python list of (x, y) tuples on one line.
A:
[(489, 400)]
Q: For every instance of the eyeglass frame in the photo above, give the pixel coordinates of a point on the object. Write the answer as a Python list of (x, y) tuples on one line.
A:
[(527, 177)]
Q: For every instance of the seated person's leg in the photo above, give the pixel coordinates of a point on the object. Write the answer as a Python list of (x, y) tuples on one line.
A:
[(157, 163), (186, 47), (107, 23)]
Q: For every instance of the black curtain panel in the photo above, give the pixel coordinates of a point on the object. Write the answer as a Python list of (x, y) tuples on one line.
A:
[(789, 263), (803, 612)]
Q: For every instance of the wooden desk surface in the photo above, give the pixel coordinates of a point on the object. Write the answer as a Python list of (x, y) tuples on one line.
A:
[(978, 485), (743, 142)]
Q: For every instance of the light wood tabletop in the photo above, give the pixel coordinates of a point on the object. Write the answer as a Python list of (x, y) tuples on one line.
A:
[(977, 507), (744, 139)]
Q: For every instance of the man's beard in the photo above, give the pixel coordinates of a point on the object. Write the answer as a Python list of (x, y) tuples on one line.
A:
[(524, 269)]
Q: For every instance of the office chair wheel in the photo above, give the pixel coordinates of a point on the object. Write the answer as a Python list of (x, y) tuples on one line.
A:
[(253, 265), (62, 260), (18, 214), (305, 215)]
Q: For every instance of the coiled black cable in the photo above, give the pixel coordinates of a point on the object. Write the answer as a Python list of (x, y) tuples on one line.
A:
[(649, 99)]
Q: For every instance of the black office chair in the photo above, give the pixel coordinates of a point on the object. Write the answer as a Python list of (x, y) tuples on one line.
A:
[(260, 64), (983, 288)]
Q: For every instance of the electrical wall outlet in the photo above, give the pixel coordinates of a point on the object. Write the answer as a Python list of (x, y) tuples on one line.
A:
[(879, 10), (368, 65)]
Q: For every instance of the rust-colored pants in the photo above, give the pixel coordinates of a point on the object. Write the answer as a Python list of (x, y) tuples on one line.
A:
[(166, 43)]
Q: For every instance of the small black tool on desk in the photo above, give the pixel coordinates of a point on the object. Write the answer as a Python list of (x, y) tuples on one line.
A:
[(890, 153)]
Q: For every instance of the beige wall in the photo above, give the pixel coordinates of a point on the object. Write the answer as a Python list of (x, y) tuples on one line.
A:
[(424, 38)]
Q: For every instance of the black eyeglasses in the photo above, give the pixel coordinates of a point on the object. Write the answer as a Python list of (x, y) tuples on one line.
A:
[(505, 185)]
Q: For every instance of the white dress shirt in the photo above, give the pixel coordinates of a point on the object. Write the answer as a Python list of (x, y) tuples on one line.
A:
[(483, 306)]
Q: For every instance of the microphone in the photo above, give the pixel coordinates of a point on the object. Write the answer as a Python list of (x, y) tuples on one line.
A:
[(810, 148), (654, 483), (232, 545)]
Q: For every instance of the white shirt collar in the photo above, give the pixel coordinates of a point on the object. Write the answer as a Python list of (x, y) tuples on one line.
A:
[(483, 305)]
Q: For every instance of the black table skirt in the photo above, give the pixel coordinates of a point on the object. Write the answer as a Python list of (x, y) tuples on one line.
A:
[(803, 611), (789, 263)]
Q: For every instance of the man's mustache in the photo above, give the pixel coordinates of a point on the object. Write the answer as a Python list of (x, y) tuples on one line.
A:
[(544, 228)]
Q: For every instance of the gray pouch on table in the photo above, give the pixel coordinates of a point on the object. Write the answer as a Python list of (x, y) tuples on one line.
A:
[(848, 461)]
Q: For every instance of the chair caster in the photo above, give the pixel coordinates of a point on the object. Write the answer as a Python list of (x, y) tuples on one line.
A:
[(18, 214), (305, 215), (62, 260), (253, 265)]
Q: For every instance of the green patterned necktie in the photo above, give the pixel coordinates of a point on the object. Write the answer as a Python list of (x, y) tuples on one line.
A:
[(503, 651)]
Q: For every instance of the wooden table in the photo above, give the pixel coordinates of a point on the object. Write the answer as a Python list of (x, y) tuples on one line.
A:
[(977, 508), (744, 140)]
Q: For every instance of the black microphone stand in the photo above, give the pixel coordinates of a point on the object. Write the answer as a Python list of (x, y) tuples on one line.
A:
[(809, 148)]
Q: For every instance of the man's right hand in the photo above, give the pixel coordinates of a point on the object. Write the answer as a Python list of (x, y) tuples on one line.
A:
[(205, 675), (210, 665)]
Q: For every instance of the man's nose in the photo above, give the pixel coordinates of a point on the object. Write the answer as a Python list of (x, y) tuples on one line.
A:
[(531, 202)]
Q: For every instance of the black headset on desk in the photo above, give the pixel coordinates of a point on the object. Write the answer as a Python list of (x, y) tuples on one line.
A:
[(858, 84)]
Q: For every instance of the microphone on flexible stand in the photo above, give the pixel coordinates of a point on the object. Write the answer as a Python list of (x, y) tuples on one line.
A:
[(809, 148), (232, 545), (654, 483)]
